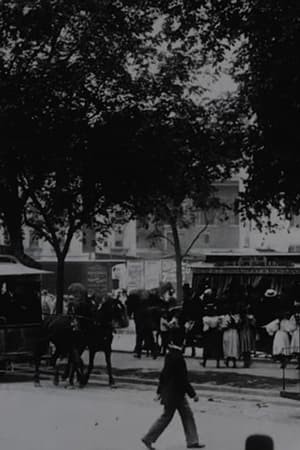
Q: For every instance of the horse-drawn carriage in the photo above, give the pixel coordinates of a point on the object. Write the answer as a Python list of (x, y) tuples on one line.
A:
[(20, 310)]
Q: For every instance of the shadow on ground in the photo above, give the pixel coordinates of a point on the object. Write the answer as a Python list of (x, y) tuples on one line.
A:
[(216, 378)]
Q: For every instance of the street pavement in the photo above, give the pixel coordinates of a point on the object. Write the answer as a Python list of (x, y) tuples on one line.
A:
[(98, 418)]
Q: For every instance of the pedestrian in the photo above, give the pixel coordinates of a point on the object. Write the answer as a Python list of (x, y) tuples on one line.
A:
[(164, 332), (212, 335), (281, 341), (295, 342), (231, 344), (247, 333), (172, 389)]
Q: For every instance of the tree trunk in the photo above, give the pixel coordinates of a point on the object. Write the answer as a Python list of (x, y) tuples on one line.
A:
[(13, 223), (178, 260), (12, 209), (60, 278)]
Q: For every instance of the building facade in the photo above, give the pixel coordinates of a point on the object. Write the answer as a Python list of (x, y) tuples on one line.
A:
[(130, 257)]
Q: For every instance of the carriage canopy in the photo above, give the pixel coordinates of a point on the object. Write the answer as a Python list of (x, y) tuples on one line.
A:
[(20, 307)]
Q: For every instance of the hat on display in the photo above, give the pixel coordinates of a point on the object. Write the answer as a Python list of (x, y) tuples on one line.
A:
[(270, 293), (207, 291)]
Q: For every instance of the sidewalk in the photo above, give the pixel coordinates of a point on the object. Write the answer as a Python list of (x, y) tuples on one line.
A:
[(263, 378)]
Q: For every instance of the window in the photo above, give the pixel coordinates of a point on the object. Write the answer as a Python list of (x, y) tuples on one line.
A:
[(228, 216), (206, 238), (209, 217), (88, 240), (295, 221), (33, 240), (119, 236)]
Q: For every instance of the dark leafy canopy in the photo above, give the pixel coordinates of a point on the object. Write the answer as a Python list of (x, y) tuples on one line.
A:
[(158, 158), (267, 68), (65, 64), (68, 65), (62, 63), (274, 93)]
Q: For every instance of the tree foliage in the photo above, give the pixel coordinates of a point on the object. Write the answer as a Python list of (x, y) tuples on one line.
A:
[(266, 38), (118, 82)]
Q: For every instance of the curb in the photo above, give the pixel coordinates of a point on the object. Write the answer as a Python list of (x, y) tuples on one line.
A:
[(235, 393), (254, 359), (214, 389), (230, 393), (260, 396)]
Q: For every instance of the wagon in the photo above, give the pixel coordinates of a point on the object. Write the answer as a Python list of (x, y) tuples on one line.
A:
[(20, 310)]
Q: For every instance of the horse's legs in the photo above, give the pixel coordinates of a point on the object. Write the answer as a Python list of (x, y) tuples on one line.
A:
[(80, 372), (77, 366), (39, 350), (74, 366), (193, 353), (70, 370), (67, 370), (56, 372), (107, 353), (37, 361), (92, 354)]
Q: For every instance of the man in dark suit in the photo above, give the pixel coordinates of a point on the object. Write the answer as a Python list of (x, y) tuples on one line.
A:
[(172, 389)]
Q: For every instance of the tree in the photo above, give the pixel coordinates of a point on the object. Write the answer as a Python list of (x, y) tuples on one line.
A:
[(58, 209), (173, 145), (66, 71), (266, 37), (169, 164), (62, 65)]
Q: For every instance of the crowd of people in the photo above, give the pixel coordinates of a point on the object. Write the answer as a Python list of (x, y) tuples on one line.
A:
[(226, 331), (234, 331)]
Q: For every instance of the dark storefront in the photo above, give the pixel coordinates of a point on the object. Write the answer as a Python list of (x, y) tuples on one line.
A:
[(234, 274), (95, 275)]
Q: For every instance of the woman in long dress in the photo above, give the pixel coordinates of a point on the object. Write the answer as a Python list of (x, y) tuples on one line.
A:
[(231, 344), (212, 337), (247, 333), (282, 341), (295, 341)]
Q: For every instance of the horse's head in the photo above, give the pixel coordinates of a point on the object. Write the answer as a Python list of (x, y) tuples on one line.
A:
[(112, 311), (119, 314)]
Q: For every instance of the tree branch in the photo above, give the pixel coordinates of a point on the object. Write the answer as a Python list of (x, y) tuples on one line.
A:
[(158, 234), (40, 231), (69, 238), (53, 240), (196, 237)]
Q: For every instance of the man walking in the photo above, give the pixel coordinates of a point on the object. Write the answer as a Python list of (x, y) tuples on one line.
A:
[(172, 389)]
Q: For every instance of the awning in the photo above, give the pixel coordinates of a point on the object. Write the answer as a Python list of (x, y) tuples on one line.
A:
[(10, 266), (246, 270)]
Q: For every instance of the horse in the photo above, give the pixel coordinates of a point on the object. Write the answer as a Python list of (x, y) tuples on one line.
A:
[(193, 336), (84, 328), (111, 314), (62, 331), (145, 307)]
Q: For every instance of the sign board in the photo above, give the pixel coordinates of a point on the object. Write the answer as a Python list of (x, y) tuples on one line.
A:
[(97, 279), (135, 275), (152, 274), (169, 272), (248, 270)]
